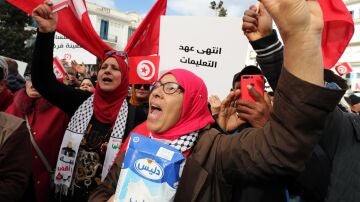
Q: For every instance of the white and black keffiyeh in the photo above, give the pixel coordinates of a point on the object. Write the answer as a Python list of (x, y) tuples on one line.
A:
[(74, 134), (185, 142)]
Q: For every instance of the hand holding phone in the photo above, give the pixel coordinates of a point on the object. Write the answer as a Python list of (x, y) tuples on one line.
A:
[(256, 81)]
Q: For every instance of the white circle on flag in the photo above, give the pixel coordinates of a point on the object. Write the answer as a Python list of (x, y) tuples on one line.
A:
[(341, 69), (57, 73), (145, 70), (67, 56)]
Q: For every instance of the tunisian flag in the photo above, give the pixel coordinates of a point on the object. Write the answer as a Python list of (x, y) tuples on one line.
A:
[(145, 42), (343, 68), (58, 68), (144, 69), (145, 39), (337, 32), (74, 23)]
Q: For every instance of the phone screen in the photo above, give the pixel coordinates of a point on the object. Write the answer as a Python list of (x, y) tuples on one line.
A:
[(257, 81)]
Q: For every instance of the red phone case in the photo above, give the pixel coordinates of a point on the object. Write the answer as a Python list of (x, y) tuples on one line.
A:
[(257, 81)]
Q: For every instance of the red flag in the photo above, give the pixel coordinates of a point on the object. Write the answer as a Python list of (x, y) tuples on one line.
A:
[(337, 32), (143, 69), (58, 68), (343, 68), (26, 6), (74, 23), (145, 39)]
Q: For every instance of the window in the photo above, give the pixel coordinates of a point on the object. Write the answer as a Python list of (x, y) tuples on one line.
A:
[(131, 30), (104, 28)]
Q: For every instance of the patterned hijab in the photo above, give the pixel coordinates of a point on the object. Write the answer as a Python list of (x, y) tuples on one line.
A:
[(108, 104)]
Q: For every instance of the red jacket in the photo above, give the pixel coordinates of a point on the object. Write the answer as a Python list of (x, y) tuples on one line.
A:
[(6, 98), (48, 124)]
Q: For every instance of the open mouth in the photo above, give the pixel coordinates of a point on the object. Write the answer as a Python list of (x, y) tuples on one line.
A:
[(155, 112), (154, 107), (106, 80)]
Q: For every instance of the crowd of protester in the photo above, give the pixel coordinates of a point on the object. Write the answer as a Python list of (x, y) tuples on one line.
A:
[(68, 140)]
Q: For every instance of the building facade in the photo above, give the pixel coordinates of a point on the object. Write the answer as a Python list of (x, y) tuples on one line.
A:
[(114, 27)]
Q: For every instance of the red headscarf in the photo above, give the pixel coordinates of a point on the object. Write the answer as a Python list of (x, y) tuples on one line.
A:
[(195, 113), (108, 104)]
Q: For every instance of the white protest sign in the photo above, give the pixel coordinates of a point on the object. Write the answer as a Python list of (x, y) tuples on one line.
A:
[(64, 48), (214, 48)]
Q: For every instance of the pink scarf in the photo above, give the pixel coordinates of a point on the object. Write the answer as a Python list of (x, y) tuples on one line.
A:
[(195, 113)]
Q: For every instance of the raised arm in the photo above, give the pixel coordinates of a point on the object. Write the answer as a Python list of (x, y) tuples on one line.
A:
[(66, 98), (301, 32), (257, 27), (299, 112)]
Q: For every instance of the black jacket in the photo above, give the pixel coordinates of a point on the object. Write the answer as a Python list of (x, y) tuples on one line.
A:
[(332, 174)]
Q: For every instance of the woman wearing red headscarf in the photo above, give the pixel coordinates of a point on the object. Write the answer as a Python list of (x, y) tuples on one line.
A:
[(214, 161), (99, 121), (179, 116), (47, 125)]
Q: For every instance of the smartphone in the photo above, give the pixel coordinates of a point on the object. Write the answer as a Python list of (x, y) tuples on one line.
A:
[(257, 81)]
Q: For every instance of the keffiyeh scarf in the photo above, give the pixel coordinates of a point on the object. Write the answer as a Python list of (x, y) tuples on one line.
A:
[(72, 138)]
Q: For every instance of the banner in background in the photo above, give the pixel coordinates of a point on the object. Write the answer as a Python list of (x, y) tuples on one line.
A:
[(64, 48), (211, 47)]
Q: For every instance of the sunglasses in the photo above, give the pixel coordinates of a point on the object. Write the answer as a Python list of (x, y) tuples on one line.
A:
[(144, 86), (121, 54)]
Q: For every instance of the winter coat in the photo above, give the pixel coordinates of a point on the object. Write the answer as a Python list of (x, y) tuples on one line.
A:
[(6, 99), (48, 124), (281, 148), (15, 158)]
